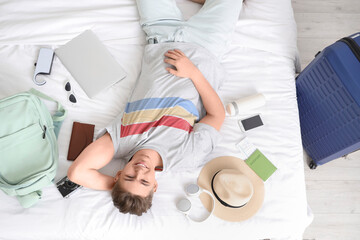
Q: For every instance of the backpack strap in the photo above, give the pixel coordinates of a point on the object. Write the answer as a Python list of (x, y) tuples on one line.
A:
[(29, 199), (60, 114)]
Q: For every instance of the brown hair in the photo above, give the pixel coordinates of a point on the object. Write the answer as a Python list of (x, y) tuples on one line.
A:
[(127, 202)]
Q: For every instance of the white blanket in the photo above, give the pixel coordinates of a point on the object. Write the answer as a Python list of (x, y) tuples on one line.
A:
[(260, 60)]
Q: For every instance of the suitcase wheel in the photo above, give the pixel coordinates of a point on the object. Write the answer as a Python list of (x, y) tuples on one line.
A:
[(312, 165)]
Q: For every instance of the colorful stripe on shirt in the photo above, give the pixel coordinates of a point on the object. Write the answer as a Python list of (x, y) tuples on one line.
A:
[(142, 115)]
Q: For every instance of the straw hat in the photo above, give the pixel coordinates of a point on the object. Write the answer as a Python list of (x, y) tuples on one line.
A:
[(238, 191)]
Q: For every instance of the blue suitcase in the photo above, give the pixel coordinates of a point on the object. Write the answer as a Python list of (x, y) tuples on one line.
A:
[(328, 93)]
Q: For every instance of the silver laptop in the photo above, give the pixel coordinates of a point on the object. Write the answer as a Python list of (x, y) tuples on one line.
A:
[(90, 63)]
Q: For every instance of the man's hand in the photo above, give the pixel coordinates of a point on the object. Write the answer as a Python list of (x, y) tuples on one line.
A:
[(215, 112), (184, 67)]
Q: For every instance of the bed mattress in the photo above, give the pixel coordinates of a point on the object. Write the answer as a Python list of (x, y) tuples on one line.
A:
[(261, 59)]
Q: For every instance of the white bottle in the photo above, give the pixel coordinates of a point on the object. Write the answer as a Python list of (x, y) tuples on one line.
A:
[(245, 104)]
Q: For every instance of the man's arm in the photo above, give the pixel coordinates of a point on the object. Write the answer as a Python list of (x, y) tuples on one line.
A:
[(215, 112), (84, 170)]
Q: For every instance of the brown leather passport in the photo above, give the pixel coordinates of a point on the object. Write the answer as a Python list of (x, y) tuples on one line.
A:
[(81, 136)]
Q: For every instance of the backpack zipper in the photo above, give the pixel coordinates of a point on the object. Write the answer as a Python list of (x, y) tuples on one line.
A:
[(352, 45), (44, 133)]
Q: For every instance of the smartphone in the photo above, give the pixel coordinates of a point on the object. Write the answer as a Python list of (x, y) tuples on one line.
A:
[(250, 123)]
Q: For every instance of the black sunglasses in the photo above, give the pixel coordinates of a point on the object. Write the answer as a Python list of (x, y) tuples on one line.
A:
[(72, 97)]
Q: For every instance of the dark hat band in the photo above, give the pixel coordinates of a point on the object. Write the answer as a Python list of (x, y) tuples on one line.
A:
[(218, 198)]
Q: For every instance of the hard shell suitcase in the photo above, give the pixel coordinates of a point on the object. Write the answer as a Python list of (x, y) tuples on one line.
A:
[(328, 93)]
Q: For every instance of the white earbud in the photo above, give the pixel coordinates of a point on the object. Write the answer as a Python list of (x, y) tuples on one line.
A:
[(193, 190), (184, 204)]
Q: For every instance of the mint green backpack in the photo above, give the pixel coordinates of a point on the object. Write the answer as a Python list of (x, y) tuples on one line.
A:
[(28, 145)]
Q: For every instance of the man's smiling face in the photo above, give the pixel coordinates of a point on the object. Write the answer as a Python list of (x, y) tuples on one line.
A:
[(138, 175)]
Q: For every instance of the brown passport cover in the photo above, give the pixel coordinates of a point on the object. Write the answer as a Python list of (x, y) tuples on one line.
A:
[(81, 136)]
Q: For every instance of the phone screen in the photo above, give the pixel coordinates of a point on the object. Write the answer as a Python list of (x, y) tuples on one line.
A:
[(252, 122)]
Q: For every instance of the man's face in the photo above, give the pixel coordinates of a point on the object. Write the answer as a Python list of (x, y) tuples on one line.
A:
[(138, 175)]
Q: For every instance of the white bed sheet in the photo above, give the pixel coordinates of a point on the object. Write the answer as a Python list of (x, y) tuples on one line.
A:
[(261, 59)]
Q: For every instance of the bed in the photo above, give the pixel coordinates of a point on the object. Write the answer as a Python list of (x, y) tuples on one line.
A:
[(262, 59)]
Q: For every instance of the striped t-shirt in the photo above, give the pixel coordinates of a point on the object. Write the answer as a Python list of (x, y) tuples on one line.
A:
[(163, 111), (142, 115)]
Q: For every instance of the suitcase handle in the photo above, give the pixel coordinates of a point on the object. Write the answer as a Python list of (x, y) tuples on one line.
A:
[(352, 45)]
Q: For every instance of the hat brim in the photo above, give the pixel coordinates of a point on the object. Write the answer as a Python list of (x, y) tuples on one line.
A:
[(227, 213)]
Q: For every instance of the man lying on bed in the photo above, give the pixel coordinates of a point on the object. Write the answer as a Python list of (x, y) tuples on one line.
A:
[(163, 124)]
